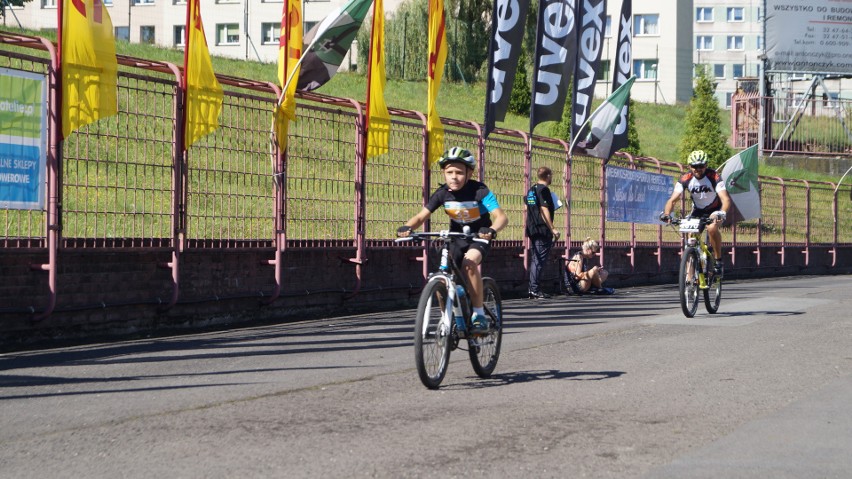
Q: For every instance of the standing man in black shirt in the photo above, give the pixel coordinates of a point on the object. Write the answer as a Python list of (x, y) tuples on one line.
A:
[(540, 228)]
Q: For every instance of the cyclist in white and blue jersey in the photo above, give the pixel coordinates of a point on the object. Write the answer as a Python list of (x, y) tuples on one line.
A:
[(468, 203)]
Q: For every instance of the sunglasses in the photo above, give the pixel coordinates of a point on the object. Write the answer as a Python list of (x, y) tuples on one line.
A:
[(698, 167)]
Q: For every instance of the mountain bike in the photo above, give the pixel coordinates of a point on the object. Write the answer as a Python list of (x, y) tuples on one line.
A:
[(696, 267), (444, 316)]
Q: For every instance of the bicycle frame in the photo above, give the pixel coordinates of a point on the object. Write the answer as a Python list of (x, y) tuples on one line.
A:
[(443, 318), (695, 234), (447, 272)]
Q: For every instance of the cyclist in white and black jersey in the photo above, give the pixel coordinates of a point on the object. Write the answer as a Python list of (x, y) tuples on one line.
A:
[(709, 199)]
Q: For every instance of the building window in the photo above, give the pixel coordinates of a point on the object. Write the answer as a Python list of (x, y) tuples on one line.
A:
[(704, 42), (122, 33), (143, 2), (735, 42), (269, 33), (728, 97), (608, 26), (108, 3), (760, 42), (48, 3), (308, 26), (704, 14), (719, 70), (147, 34), (603, 72), (227, 34), (178, 2), (645, 69), (179, 36), (737, 70), (646, 24), (735, 14)]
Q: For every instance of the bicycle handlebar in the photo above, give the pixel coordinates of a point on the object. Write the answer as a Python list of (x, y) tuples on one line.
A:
[(447, 234), (704, 220)]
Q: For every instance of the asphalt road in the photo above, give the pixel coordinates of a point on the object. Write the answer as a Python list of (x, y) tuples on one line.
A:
[(619, 386)]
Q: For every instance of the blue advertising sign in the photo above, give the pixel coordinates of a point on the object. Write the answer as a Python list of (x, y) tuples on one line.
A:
[(23, 135), (634, 196)]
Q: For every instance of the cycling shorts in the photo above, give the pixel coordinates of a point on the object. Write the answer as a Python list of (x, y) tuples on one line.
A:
[(460, 246)]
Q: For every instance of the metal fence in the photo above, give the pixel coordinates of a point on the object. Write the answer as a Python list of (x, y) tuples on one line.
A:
[(813, 126), (121, 184)]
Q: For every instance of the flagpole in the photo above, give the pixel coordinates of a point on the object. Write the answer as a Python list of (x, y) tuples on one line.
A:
[(183, 79), (841, 179), (580, 131), (719, 168)]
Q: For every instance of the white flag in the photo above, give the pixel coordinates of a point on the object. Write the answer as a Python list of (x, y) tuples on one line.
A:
[(740, 177)]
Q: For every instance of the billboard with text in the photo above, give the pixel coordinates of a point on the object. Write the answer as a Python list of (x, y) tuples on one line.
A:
[(813, 36)]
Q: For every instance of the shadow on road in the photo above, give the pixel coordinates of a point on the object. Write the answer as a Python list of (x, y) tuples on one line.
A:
[(519, 377)]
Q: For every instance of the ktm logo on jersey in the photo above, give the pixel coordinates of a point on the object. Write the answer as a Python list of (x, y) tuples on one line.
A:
[(700, 189)]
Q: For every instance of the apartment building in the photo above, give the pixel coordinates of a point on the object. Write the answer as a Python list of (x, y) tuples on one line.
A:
[(728, 42), (662, 51)]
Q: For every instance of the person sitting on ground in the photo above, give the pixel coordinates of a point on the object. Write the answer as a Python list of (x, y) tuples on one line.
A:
[(585, 279)]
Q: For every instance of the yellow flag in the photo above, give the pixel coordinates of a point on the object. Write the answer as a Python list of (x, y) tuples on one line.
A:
[(378, 126), (203, 93), (289, 52), (88, 64), (437, 59)]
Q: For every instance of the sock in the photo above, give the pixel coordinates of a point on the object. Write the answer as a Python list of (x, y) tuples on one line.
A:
[(480, 311)]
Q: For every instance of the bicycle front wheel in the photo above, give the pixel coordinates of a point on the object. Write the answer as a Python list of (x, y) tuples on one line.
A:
[(484, 350), (713, 293), (432, 335), (688, 282)]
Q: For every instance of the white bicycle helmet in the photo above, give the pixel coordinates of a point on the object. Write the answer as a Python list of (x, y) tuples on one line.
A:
[(457, 155)]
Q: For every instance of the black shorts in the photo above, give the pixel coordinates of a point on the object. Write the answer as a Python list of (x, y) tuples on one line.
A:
[(460, 246), (703, 212)]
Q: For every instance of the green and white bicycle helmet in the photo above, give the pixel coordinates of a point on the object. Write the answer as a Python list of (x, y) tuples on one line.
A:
[(697, 158), (457, 155)]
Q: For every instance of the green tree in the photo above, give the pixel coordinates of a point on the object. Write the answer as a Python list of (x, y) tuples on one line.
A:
[(519, 101), (406, 45), (562, 129), (703, 129), (633, 147)]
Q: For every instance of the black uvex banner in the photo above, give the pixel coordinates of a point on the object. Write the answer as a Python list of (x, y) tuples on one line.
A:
[(507, 33), (555, 53), (623, 68), (590, 32)]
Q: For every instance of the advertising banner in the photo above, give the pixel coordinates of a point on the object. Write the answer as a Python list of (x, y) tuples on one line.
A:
[(23, 139), (553, 65), (634, 196), (809, 36)]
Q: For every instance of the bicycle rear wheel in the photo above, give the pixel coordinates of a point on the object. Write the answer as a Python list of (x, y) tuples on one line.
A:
[(432, 335), (484, 350), (688, 282), (713, 293)]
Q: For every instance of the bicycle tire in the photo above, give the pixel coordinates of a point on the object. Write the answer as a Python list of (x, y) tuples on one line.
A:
[(432, 336), (484, 350), (713, 293), (688, 283)]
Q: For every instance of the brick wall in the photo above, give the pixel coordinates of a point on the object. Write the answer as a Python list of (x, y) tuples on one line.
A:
[(108, 293)]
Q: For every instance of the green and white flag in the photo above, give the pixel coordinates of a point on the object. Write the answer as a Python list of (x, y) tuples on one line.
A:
[(328, 42), (740, 177), (602, 123)]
